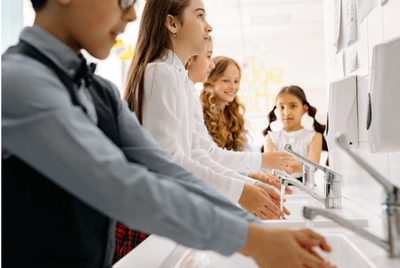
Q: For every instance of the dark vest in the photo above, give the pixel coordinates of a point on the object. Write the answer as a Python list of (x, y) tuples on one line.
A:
[(43, 225)]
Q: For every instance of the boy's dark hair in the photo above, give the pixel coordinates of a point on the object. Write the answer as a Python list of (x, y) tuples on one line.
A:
[(38, 4)]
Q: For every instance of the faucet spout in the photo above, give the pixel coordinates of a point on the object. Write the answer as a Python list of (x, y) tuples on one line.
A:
[(311, 212), (391, 205), (331, 200), (333, 181)]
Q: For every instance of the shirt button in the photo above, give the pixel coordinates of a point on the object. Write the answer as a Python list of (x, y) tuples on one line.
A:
[(71, 72)]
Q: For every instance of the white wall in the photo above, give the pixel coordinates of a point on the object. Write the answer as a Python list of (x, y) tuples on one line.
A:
[(382, 23), (11, 22)]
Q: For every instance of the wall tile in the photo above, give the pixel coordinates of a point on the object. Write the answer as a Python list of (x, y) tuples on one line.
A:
[(375, 30), (362, 49), (371, 189), (391, 19)]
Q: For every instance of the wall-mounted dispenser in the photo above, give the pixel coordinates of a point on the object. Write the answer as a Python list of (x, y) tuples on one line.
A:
[(342, 112), (383, 122)]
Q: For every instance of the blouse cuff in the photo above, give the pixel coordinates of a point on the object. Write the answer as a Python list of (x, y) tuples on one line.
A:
[(235, 190)]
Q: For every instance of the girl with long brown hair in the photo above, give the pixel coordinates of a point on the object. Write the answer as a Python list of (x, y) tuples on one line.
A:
[(222, 110)]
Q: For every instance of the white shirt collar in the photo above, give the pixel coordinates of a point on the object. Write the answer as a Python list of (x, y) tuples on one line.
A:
[(172, 59)]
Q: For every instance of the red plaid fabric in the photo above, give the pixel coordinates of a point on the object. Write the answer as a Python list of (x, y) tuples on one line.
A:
[(126, 240)]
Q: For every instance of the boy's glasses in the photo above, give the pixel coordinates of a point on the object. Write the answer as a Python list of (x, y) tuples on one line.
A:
[(126, 4)]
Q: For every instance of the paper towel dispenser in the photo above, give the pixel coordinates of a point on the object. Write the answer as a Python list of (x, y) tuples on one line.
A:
[(342, 112), (383, 121)]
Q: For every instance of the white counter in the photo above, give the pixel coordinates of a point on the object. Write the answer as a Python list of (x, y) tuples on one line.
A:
[(160, 252)]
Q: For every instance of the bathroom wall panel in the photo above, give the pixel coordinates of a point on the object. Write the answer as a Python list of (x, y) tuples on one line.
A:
[(375, 30), (370, 188), (391, 19), (362, 49), (381, 24)]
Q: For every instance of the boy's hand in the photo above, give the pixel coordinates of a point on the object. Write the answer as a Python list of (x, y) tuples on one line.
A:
[(278, 160), (276, 247), (269, 179), (259, 203)]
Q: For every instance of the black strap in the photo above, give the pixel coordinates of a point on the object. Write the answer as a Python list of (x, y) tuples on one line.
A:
[(104, 100), (26, 49)]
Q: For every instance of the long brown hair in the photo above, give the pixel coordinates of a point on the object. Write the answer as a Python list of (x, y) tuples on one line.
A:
[(152, 44), (299, 93), (228, 126)]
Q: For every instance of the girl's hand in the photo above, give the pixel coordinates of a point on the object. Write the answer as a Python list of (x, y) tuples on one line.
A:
[(259, 203), (273, 195), (278, 160), (269, 179), (276, 247)]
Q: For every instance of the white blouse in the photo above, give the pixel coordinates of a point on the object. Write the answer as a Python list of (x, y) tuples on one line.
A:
[(299, 140), (169, 116)]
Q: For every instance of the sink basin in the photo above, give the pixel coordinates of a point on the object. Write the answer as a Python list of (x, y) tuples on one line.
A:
[(344, 255), (296, 219)]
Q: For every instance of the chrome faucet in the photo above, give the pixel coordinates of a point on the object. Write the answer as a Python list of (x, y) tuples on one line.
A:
[(390, 208), (332, 185), (332, 199)]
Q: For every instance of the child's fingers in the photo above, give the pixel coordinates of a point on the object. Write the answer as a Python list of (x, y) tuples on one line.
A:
[(308, 238)]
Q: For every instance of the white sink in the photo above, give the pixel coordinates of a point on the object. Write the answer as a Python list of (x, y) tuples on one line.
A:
[(296, 219), (344, 255)]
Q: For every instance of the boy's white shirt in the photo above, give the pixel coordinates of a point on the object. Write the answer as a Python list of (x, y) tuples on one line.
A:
[(169, 116)]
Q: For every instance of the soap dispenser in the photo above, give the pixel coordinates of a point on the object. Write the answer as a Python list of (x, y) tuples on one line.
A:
[(383, 120), (342, 112)]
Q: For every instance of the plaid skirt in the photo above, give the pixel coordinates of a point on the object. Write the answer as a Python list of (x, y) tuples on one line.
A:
[(126, 240)]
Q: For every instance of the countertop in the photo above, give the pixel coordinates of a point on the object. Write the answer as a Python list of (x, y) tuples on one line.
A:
[(159, 252)]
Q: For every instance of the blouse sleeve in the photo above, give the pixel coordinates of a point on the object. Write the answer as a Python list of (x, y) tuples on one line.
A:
[(162, 92)]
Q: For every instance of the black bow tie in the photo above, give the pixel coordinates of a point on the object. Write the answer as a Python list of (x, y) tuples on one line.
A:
[(85, 72)]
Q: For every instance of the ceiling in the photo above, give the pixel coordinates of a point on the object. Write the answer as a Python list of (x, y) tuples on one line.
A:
[(251, 15)]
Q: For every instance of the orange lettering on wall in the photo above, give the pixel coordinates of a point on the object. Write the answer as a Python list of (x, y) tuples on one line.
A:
[(259, 100)]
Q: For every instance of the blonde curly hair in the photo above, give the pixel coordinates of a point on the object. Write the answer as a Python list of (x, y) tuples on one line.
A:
[(227, 127)]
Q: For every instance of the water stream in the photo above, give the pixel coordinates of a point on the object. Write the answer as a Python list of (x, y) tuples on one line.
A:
[(283, 186)]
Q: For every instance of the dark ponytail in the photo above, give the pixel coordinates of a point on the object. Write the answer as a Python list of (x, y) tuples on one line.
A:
[(312, 111), (271, 118)]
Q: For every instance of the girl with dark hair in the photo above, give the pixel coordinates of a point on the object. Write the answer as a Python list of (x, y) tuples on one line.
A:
[(291, 105)]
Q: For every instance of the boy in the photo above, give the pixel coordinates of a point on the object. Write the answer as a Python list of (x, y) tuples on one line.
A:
[(75, 158)]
